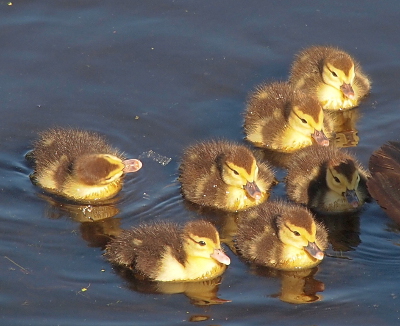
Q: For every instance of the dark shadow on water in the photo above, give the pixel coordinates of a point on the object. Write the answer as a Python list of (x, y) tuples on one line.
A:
[(343, 230)]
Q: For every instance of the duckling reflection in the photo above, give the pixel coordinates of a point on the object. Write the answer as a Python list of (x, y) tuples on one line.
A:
[(99, 233), (344, 125), (275, 158), (384, 184), (297, 287), (203, 293), (58, 208), (343, 231), (97, 222)]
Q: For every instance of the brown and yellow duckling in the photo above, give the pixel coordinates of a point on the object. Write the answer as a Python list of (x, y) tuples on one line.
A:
[(384, 184), (331, 75), (281, 235), (166, 252), (327, 179), (281, 119), (79, 165), (224, 175)]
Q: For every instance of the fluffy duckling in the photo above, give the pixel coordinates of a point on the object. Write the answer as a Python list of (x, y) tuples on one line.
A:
[(224, 175), (79, 165), (284, 120), (330, 74), (384, 184), (281, 235), (327, 180), (166, 252)]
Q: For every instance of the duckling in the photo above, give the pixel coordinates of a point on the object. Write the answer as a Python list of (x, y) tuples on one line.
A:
[(224, 175), (281, 235), (327, 179), (330, 74), (166, 252), (79, 165), (384, 184), (279, 118)]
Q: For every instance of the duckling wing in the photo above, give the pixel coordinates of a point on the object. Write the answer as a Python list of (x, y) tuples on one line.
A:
[(385, 188), (384, 185), (387, 158), (143, 248)]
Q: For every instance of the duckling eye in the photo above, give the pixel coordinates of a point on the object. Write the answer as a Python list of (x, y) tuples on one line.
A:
[(202, 243), (333, 74), (235, 172), (303, 120), (336, 179), (297, 234)]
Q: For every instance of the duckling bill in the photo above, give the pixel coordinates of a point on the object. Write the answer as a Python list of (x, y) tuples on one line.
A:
[(281, 235), (167, 252), (79, 165), (224, 175)]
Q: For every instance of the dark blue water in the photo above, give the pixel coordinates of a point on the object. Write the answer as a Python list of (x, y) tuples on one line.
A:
[(160, 75)]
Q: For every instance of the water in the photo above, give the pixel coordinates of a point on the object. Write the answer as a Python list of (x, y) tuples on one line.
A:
[(157, 76)]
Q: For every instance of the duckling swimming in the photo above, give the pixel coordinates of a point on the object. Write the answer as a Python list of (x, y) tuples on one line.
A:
[(281, 235), (384, 184), (224, 175), (327, 180), (331, 75), (166, 252), (282, 119), (79, 165)]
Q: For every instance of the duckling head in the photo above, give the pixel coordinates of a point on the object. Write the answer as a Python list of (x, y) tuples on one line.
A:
[(97, 169), (102, 169), (300, 232), (343, 178), (239, 169), (307, 118), (338, 72), (201, 240)]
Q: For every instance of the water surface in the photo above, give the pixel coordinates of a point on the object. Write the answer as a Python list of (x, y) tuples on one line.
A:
[(159, 76)]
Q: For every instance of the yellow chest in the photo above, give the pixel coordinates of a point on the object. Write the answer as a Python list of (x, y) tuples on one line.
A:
[(293, 258), (333, 99), (291, 140), (237, 199), (194, 270)]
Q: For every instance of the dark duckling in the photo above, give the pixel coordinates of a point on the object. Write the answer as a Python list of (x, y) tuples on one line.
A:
[(327, 179)]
